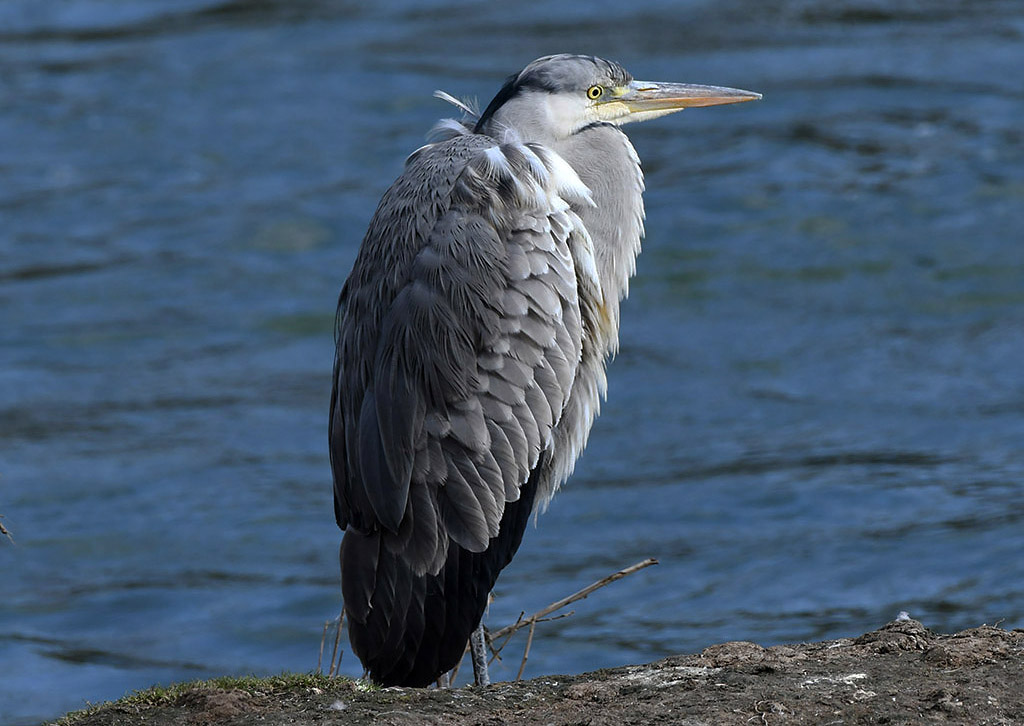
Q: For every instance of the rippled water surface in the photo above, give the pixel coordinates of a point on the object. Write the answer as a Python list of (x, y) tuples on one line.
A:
[(816, 419)]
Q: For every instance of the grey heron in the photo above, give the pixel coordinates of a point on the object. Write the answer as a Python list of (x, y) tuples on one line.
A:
[(472, 338)]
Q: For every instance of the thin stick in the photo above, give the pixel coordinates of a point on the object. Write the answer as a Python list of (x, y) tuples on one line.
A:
[(526, 653), (341, 653), (497, 651), (337, 667), (337, 638), (579, 595), (556, 617), (540, 616), (323, 639)]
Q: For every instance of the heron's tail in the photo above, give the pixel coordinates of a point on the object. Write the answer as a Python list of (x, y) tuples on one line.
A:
[(409, 629)]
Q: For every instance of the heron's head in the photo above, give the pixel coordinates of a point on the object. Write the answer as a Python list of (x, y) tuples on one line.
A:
[(558, 95)]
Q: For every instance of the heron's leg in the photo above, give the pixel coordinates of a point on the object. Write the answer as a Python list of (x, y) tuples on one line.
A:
[(478, 651)]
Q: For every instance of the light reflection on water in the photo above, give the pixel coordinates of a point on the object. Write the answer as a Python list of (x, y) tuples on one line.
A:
[(815, 420)]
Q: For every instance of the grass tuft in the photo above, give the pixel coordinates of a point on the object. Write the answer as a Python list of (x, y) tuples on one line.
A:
[(158, 696)]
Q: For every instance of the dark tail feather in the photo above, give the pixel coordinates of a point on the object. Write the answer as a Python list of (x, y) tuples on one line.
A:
[(408, 629)]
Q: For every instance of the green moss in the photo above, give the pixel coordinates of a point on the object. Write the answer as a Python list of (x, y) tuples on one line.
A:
[(158, 696)]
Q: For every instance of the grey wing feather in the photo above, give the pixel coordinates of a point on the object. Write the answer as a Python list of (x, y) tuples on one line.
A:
[(459, 336)]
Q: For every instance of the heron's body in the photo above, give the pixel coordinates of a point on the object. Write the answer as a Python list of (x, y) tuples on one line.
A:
[(473, 334)]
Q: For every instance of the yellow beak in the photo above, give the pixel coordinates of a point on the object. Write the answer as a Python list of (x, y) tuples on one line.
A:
[(646, 96)]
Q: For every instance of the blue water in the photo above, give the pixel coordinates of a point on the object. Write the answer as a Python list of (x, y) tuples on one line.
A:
[(816, 419)]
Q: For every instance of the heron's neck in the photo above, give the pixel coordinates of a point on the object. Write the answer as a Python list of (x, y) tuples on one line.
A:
[(607, 163)]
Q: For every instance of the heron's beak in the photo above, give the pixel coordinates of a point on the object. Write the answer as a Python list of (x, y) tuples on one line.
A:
[(646, 99)]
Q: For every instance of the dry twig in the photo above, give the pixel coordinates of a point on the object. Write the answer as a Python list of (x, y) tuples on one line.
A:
[(579, 595), (323, 639), (526, 651), (335, 656), (496, 652), (336, 664), (541, 617)]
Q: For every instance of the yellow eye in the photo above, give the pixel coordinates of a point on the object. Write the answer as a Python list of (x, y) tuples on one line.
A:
[(594, 92)]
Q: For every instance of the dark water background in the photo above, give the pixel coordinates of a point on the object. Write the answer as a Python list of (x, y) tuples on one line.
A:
[(816, 419)]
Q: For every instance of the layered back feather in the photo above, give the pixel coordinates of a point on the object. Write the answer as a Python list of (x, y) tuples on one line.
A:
[(472, 339)]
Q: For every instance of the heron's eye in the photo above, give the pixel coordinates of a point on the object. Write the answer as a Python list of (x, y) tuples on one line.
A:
[(594, 92)]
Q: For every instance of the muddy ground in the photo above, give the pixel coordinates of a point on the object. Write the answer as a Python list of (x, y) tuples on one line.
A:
[(899, 674)]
